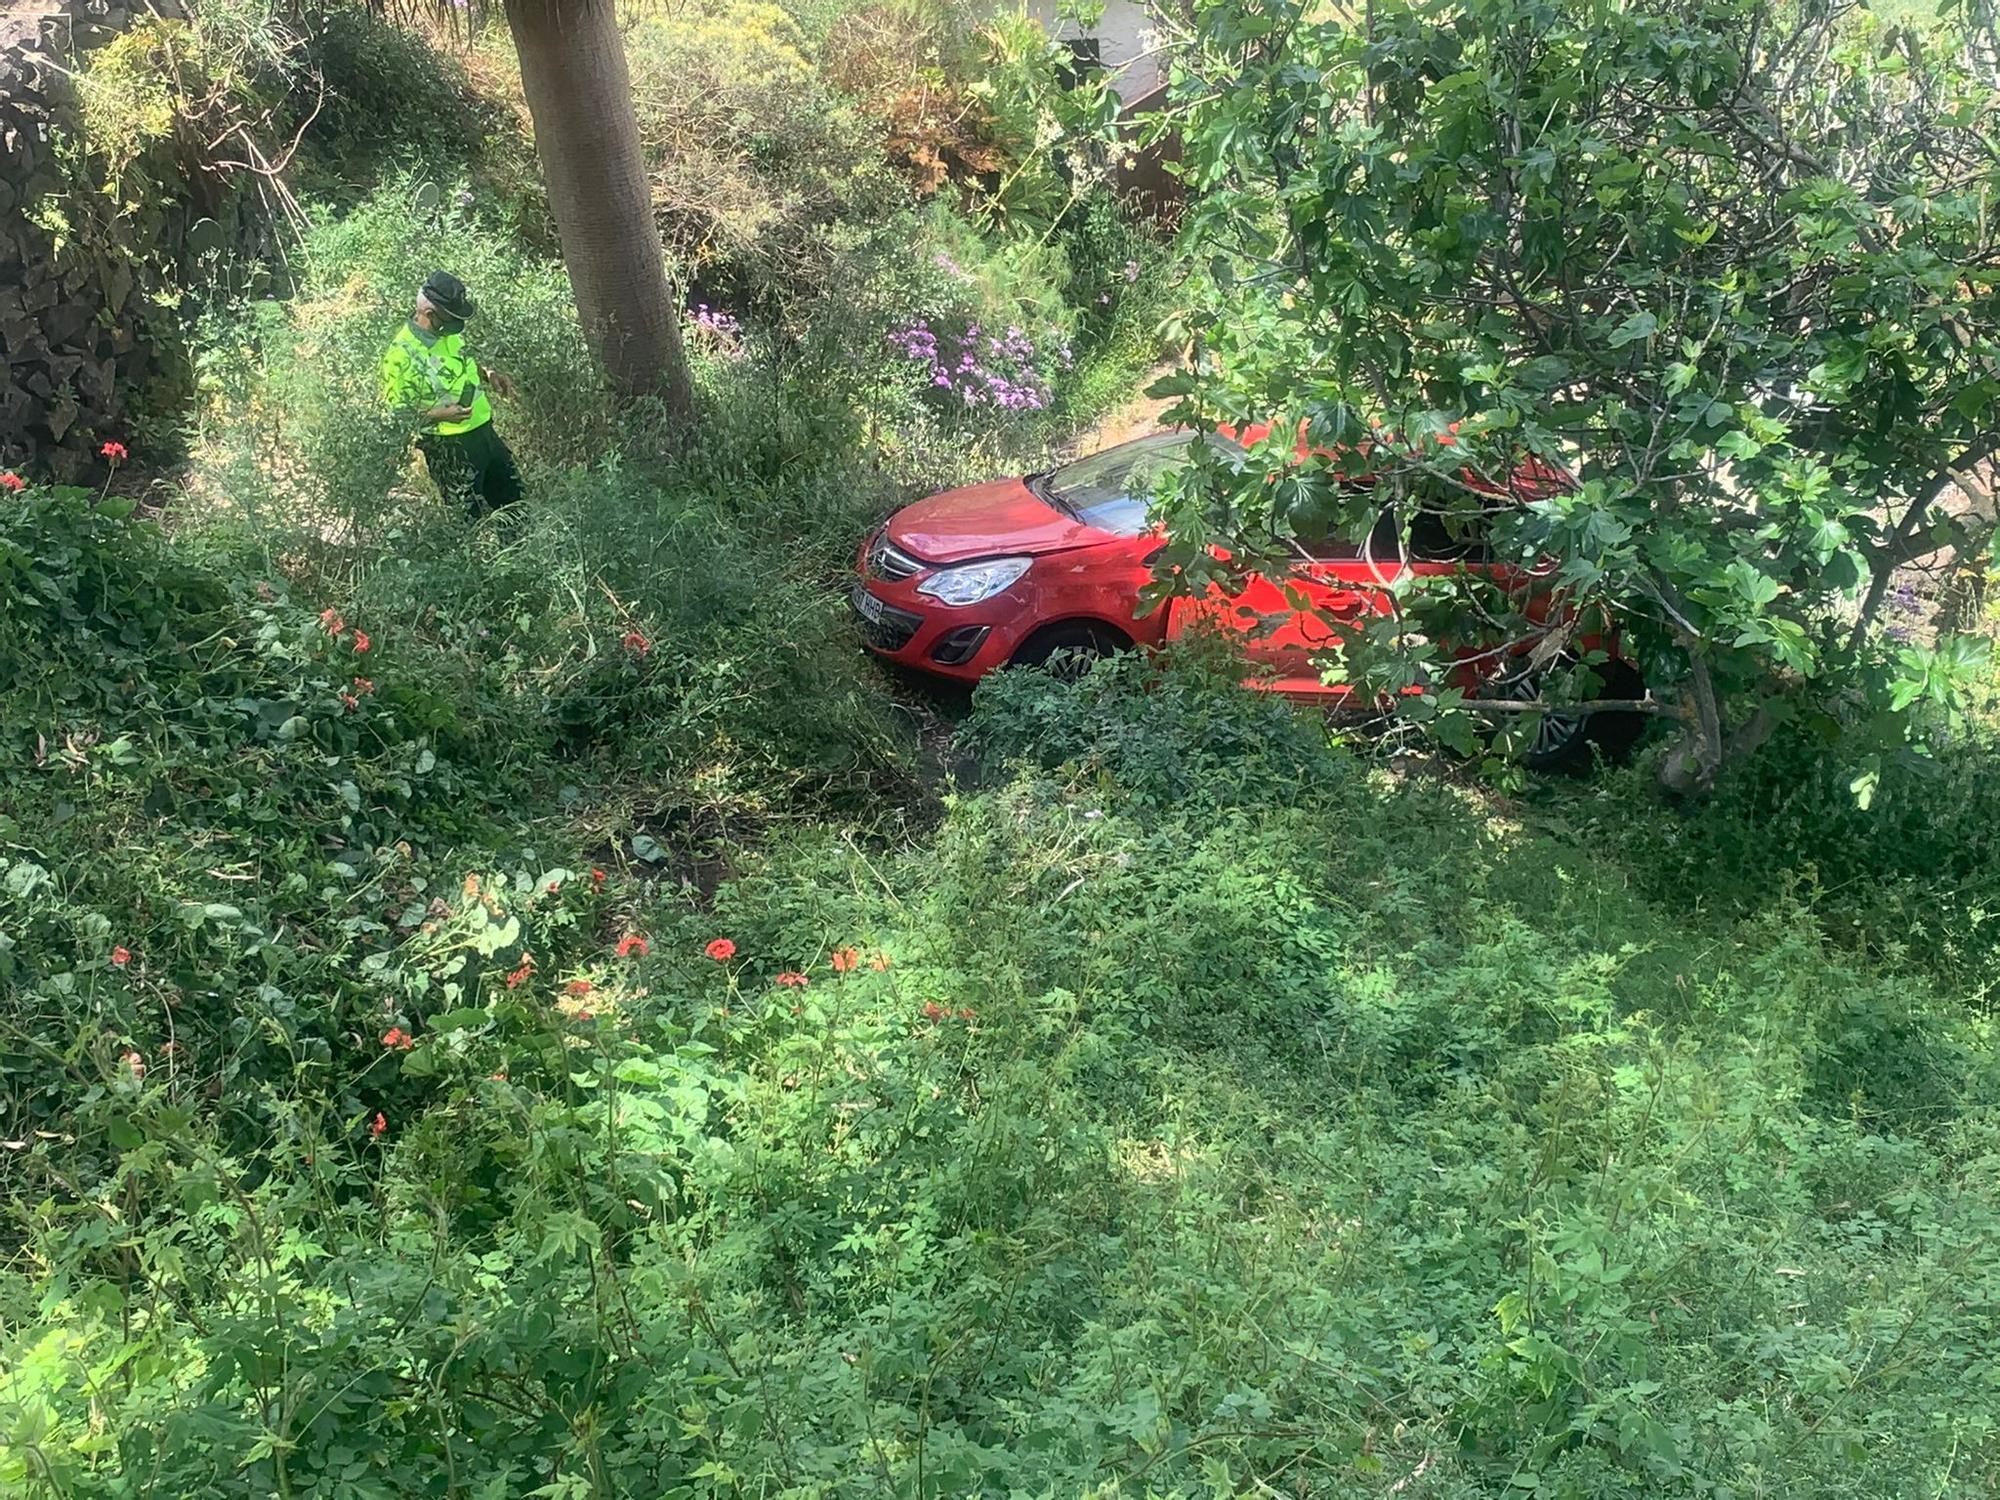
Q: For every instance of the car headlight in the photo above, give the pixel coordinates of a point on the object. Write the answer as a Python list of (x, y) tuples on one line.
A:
[(974, 581)]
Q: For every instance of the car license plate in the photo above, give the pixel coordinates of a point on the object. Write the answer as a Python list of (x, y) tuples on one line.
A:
[(867, 605)]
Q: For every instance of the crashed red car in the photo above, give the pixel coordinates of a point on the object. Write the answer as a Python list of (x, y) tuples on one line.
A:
[(1014, 572)]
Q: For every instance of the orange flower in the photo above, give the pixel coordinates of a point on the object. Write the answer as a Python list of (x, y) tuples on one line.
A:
[(633, 943), (791, 979), (554, 886), (966, 1014), (934, 1012), (523, 974), (635, 642), (471, 885), (351, 701), (364, 684), (597, 877), (12, 483), (134, 1064), (579, 986), (879, 963), (113, 451), (720, 949), (332, 620), (845, 960), (499, 1077), (381, 1124), (121, 955), (361, 640), (398, 1038)]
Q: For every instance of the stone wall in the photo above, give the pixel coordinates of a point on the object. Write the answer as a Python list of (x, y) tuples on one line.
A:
[(76, 319)]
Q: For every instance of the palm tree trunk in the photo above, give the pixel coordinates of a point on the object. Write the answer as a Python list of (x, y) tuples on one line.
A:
[(580, 95)]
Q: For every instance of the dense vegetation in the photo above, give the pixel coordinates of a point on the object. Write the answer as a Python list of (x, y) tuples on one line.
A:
[(524, 1010), (1724, 263)]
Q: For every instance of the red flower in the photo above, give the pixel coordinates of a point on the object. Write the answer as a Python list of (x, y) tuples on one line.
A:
[(720, 949), (381, 1124), (966, 1014), (845, 960), (396, 1037), (597, 877), (632, 943), (879, 963), (523, 974), (364, 684), (135, 1064), (121, 955), (13, 483), (934, 1012), (113, 451), (350, 700), (634, 641), (360, 640), (791, 979), (586, 1015), (579, 986), (554, 886), (331, 619)]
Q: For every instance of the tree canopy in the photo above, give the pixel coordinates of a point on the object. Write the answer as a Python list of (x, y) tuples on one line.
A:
[(1731, 264)]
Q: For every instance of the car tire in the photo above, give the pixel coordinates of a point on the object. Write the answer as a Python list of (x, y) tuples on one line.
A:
[(1572, 743), (1069, 650)]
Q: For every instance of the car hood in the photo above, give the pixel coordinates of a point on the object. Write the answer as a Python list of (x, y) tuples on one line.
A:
[(1002, 519)]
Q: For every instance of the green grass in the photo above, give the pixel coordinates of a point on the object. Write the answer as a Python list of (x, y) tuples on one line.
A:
[(1225, 1112)]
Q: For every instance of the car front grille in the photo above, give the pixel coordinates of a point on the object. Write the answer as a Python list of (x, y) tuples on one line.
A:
[(892, 631), (890, 563)]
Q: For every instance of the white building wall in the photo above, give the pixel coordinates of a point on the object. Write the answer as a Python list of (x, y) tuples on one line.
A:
[(1126, 43)]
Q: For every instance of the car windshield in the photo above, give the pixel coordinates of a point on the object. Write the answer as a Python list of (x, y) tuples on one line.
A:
[(1113, 490)]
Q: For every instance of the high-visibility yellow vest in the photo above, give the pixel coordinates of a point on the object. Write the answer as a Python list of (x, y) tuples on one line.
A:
[(418, 374)]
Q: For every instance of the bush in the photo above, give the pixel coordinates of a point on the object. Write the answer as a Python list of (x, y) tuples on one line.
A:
[(753, 157), (1908, 880), (1163, 729), (391, 102)]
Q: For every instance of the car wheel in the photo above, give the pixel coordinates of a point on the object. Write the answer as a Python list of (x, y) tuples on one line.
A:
[(1571, 742), (1068, 651)]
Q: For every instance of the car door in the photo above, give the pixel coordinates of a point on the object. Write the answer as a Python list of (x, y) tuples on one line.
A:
[(1286, 623)]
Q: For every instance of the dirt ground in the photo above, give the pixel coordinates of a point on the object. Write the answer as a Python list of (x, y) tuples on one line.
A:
[(1136, 418)]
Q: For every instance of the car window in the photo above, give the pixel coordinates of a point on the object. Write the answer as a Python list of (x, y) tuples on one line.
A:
[(1438, 537), (1323, 543), (1113, 490)]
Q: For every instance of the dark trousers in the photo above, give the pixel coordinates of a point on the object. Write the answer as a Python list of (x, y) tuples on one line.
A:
[(473, 467)]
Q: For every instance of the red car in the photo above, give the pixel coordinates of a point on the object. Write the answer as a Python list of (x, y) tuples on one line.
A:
[(1013, 572)]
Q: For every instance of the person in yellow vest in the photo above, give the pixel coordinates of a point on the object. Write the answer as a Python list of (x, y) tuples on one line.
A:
[(428, 376)]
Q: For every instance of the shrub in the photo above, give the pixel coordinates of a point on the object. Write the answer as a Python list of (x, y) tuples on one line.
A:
[(1162, 729), (1907, 879), (752, 156), (391, 100)]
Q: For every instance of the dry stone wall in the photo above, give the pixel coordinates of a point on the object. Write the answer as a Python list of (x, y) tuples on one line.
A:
[(75, 306)]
